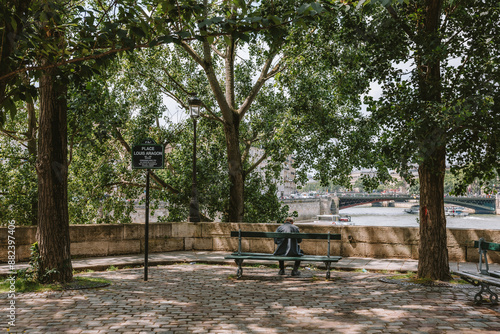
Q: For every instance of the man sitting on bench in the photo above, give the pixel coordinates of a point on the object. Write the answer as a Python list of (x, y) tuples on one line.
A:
[(288, 246)]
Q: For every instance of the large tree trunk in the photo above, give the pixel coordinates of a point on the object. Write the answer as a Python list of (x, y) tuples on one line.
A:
[(52, 169), (433, 252)]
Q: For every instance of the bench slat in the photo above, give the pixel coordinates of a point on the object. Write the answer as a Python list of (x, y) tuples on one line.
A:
[(495, 273), (487, 245), (268, 257), (318, 236), (479, 277)]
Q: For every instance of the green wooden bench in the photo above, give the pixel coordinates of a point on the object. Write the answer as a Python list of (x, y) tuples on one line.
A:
[(240, 256), (484, 277)]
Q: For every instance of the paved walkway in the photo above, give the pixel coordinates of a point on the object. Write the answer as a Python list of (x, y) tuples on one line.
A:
[(205, 298)]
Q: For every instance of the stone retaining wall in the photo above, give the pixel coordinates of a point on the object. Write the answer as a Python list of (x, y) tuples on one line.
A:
[(357, 241), (308, 208)]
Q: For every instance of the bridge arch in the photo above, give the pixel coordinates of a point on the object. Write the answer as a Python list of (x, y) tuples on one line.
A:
[(479, 204), (350, 201)]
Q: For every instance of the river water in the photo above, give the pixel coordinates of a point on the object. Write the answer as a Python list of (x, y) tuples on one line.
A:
[(389, 216)]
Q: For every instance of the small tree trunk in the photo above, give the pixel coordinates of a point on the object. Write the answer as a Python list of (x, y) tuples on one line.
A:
[(31, 134), (52, 169), (236, 178), (433, 252)]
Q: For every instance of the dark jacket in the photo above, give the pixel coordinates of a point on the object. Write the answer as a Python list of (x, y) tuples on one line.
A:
[(287, 246)]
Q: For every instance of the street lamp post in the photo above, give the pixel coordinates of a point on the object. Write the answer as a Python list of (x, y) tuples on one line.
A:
[(194, 207)]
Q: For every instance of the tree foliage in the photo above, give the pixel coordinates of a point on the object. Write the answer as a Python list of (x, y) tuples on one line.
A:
[(465, 119), (18, 189), (437, 63), (80, 39), (327, 73), (137, 86), (236, 92)]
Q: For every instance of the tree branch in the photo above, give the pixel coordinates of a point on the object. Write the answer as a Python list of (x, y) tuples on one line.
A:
[(70, 61), (223, 56), (165, 89), (264, 76), (257, 163), (13, 135), (205, 63), (197, 58), (403, 25), (177, 99)]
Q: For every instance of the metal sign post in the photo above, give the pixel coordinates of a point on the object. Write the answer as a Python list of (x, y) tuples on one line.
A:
[(146, 230), (147, 155)]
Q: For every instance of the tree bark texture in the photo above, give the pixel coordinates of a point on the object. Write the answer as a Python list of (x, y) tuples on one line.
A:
[(229, 71), (31, 134), (52, 169), (236, 174), (433, 252)]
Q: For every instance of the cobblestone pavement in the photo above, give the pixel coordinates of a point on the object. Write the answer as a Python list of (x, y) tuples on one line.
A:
[(207, 299)]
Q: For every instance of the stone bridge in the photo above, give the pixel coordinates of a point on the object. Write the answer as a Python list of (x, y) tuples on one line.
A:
[(482, 205)]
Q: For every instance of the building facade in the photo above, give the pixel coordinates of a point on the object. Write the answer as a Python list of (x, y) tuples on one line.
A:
[(286, 183)]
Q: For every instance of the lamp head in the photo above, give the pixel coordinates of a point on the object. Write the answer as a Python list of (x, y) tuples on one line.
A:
[(194, 106)]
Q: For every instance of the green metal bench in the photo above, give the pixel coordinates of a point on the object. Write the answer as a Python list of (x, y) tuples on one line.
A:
[(240, 256), (484, 277)]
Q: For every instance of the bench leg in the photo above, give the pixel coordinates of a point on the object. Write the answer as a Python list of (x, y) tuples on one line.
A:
[(239, 263), (327, 264), (485, 288)]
